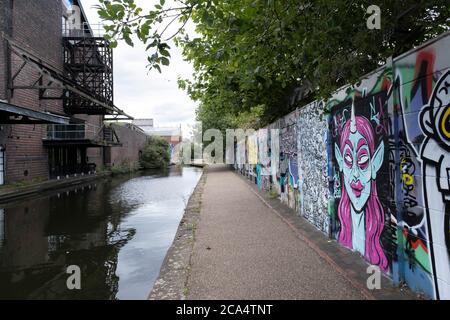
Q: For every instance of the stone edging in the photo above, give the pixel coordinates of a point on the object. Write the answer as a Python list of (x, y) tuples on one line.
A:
[(13, 193), (175, 270)]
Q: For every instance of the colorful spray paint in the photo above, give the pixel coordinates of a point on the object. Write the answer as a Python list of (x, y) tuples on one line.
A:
[(374, 173)]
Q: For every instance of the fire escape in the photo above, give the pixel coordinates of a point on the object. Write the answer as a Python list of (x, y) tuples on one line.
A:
[(88, 61), (85, 87)]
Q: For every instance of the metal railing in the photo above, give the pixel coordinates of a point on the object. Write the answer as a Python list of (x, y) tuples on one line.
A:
[(72, 131), (84, 30), (82, 131)]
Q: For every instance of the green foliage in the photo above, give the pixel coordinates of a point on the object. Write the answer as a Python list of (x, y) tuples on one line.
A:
[(155, 154), (273, 194), (252, 56), (23, 183), (124, 168)]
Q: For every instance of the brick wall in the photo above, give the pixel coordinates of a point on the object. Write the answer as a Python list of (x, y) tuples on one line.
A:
[(133, 141), (93, 124), (5, 23), (171, 139), (37, 27)]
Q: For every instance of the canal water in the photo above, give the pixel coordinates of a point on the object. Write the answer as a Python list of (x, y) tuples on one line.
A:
[(116, 230)]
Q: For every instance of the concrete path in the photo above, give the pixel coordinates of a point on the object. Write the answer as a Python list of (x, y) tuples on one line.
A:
[(243, 250)]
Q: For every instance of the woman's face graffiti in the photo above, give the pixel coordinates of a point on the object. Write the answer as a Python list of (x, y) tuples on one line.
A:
[(359, 167)]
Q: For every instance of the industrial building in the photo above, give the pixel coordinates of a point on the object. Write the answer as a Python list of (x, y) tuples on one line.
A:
[(56, 92)]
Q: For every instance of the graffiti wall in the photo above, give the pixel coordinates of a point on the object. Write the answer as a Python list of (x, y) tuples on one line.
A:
[(263, 167), (252, 156), (240, 159), (360, 131), (312, 165), (274, 129), (288, 173), (374, 171), (422, 99)]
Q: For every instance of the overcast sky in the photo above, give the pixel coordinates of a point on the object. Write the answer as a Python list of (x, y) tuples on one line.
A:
[(144, 94)]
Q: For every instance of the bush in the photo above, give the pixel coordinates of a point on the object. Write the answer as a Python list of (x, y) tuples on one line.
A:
[(125, 167), (155, 154)]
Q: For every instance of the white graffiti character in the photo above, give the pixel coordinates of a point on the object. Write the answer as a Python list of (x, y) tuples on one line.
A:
[(435, 156)]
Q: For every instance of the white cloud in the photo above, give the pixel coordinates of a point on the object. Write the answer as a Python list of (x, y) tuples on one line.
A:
[(144, 94)]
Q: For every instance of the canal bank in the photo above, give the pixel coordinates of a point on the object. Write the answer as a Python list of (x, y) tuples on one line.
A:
[(25, 189), (16, 191), (117, 230), (173, 276)]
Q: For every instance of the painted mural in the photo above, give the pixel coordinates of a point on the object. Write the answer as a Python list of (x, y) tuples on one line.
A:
[(252, 156), (374, 172), (411, 93), (360, 131), (263, 168), (435, 156), (422, 99), (275, 161), (240, 158), (312, 165), (288, 172)]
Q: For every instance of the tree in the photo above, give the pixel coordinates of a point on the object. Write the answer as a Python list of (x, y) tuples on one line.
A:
[(155, 154), (252, 57)]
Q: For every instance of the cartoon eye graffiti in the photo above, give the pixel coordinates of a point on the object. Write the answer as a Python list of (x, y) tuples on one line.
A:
[(348, 159), (445, 123), (363, 161)]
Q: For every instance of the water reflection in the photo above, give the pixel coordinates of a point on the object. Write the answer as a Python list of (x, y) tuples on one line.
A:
[(116, 230)]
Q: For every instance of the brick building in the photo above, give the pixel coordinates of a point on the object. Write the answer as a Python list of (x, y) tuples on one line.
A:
[(132, 140), (173, 135), (55, 91)]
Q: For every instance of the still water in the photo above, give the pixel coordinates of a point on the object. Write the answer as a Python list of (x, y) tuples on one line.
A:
[(116, 230)]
